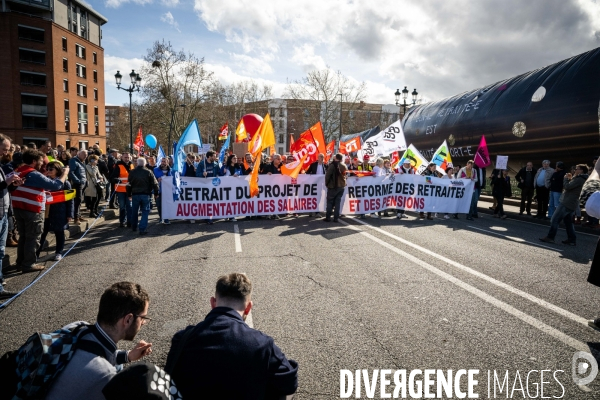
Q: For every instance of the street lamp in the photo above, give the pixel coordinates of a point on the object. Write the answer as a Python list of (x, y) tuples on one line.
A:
[(136, 82), (169, 147), (415, 94)]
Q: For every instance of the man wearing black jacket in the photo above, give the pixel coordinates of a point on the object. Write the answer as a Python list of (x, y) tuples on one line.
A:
[(223, 358), (525, 178), (112, 161), (142, 184), (556, 187), (319, 167)]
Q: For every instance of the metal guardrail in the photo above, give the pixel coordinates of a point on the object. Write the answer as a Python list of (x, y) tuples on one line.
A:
[(516, 192), (82, 116), (35, 110)]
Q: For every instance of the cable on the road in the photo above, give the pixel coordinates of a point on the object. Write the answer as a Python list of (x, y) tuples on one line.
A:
[(6, 303)]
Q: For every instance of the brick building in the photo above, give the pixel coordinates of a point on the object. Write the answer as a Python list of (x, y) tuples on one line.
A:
[(52, 72)]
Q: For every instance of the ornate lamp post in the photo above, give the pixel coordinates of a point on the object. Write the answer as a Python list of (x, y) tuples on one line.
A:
[(404, 93), (136, 82)]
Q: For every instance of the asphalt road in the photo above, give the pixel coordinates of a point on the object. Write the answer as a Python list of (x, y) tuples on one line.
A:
[(371, 294)]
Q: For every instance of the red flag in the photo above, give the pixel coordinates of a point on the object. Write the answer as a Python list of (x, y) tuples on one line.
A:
[(224, 132), (330, 149), (351, 146), (305, 144), (138, 143), (482, 157), (318, 137), (394, 160)]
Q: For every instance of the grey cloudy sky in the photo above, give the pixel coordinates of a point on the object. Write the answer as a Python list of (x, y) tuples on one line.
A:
[(439, 47)]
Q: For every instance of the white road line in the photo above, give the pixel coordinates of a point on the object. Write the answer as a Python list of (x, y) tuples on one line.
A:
[(238, 242), (568, 340), (518, 292), (515, 239)]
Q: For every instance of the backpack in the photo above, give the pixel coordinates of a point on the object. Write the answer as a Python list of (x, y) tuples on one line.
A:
[(30, 370)]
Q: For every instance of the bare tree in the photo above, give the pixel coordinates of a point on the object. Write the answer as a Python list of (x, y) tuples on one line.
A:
[(332, 90), (172, 78)]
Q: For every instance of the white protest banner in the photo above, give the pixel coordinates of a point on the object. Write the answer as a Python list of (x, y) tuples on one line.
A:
[(501, 162), (228, 196), (409, 192), (204, 149)]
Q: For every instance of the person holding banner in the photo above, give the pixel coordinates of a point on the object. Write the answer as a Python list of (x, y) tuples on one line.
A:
[(449, 175), (209, 168), (380, 170), (405, 168), (159, 172), (335, 180), (231, 167), (430, 171), (58, 215), (468, 172)]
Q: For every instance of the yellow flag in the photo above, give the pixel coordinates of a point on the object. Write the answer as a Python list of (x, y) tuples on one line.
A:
[(266, 132), (240, 132), (293, 169)]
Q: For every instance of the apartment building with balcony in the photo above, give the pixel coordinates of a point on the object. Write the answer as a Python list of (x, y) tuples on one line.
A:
[(52, 72)]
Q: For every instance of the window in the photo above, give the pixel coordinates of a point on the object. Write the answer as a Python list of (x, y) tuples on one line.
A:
[(280, 138), (306, 113), (31, 33), (280, 150), (33, 78), (95, 76), (369, 116), (65, 65), (80, 51), (83, 144), (81, 90), (84, 25), (34, 105), (34, 122), (351, 113), (66, 85), (34, 111), (81, 70), (82, 118), (64, 44), (95, 94), (67, 116), (95, 58), (272, 112), (306, 126), (32, 56), (280, 124), (281, 113), (96, 130)]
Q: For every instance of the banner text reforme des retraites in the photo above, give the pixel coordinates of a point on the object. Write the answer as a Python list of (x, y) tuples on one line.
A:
[(225, 197)]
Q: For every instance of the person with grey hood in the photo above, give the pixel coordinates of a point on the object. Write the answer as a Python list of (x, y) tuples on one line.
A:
[(572, 185)]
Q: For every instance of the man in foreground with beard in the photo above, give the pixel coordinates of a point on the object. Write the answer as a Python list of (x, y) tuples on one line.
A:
[(122, 312)]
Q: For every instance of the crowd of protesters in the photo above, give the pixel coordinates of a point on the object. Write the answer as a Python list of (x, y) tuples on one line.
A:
[(131, 184)]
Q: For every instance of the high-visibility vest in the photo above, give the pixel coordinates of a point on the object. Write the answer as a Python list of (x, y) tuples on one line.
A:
[(25, 197), (123, 179), (361, 168)]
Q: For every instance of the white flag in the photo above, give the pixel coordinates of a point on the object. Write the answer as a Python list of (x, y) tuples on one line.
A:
[(393, 138), (374, 146)]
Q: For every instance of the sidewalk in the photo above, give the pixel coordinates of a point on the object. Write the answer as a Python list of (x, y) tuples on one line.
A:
[(73, 233), (512, 208)]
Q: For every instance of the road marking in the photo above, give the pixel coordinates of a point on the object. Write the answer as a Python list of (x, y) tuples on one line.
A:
[(518, 292), (515, 239), (238, 242), (568, 340)]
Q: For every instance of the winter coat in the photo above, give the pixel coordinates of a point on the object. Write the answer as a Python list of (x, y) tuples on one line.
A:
[(93, 177), (502, 187), (77, 172), (572, 190), (59, 212), (547, 177), (159, 174)]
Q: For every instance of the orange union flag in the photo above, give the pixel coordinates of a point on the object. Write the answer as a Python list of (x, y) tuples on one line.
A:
[(293, 169), (319, 137), (351, 146), (305, 145), (330, 150)]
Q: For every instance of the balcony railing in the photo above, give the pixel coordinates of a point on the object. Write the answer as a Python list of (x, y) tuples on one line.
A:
[(36, 3), (67, 114), (82, 116), (34, 110)]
